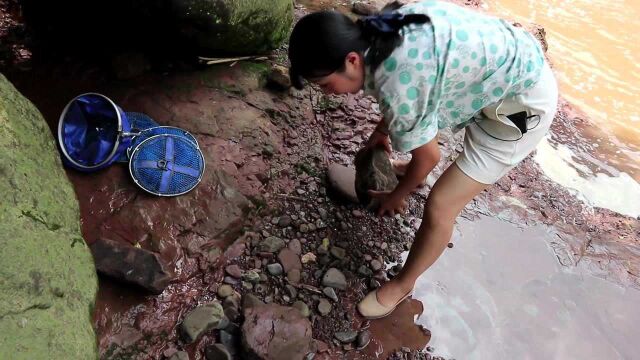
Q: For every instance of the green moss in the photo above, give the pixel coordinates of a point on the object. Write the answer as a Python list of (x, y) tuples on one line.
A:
[(47, 285)]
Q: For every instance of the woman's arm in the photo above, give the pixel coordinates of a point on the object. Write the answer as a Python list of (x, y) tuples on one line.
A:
[(423, 160)]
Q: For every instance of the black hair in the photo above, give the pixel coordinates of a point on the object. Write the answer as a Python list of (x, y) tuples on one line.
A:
[(321, 41)]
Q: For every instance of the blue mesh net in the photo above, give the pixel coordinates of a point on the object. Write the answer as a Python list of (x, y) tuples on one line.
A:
[(167, 165)]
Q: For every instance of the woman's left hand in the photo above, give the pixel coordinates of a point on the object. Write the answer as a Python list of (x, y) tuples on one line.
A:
[(390, 203)]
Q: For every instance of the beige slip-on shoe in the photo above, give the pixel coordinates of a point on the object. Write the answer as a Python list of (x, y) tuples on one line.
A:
[(371, 309)]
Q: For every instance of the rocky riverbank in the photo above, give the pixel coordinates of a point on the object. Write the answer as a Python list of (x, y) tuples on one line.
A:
[(265, 258)]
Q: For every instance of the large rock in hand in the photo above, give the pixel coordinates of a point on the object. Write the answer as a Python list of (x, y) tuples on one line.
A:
[(373, 172)]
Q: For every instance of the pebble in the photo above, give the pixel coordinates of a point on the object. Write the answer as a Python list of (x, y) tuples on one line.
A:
[(234, 270), (302, 307), (275, 220), (229, 280), (225, 291), (304, 228), (384, 246), (331, 294), (364, 270), (346, 337), (363, 339), (294, 276), (275, 269), (217, 352), (284, 221), (334, 278), (251, 276), (338, 252), (376, 265), (308, 257), (367, 257), (324, 307), (374, 284), (357, 213), (295, 246), (247, 285), (291, 291), (323, 214)]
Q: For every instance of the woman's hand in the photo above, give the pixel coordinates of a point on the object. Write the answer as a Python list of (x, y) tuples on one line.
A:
[(379, 138), (390, 203)]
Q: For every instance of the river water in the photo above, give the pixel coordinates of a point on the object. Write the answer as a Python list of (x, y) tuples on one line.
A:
[(596, 59)]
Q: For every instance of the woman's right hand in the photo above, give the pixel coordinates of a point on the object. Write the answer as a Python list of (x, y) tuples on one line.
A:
[(379, 138)]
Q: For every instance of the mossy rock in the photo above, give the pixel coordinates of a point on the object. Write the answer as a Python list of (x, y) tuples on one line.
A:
[(48, 282), (239, 27)]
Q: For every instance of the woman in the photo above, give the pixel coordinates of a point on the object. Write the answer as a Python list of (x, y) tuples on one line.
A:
[(433, 65)]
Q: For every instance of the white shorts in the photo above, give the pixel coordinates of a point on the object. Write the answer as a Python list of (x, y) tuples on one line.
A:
[(486, 158)]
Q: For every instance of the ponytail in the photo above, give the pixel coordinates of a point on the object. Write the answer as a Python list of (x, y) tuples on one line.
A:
[(321, 41)]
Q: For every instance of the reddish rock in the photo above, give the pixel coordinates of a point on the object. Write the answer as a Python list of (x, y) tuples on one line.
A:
[(289, 260), (273, 332), (130, 264)]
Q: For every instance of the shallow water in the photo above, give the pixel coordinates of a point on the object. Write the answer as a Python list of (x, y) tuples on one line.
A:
[(501, 293)]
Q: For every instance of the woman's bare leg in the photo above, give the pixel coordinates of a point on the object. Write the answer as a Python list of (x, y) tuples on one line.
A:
[(450, 194)]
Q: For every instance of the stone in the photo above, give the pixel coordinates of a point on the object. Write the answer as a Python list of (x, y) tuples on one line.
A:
[(341, 180), (249, 301), (334, 278), (384, 246), (180, 355), (251, 276), (232, 314), (284, 221), (323, 214), (234, 270), (363, 339), (232, 301), (308, 257), (217, 352), (373, 172), (225, 291), (294, 276), (338, 252), (130, 264), (289, 260), (331, 294), (202, 319), (302, 307), (229, 280), (357, 213), (231, 340), (346, 337), (364, 270), (275, 269), (376, 265), (304, 228), (275, 332), (295, 246), (324, 307), (291, 291), (278, 78), (272, 244)]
